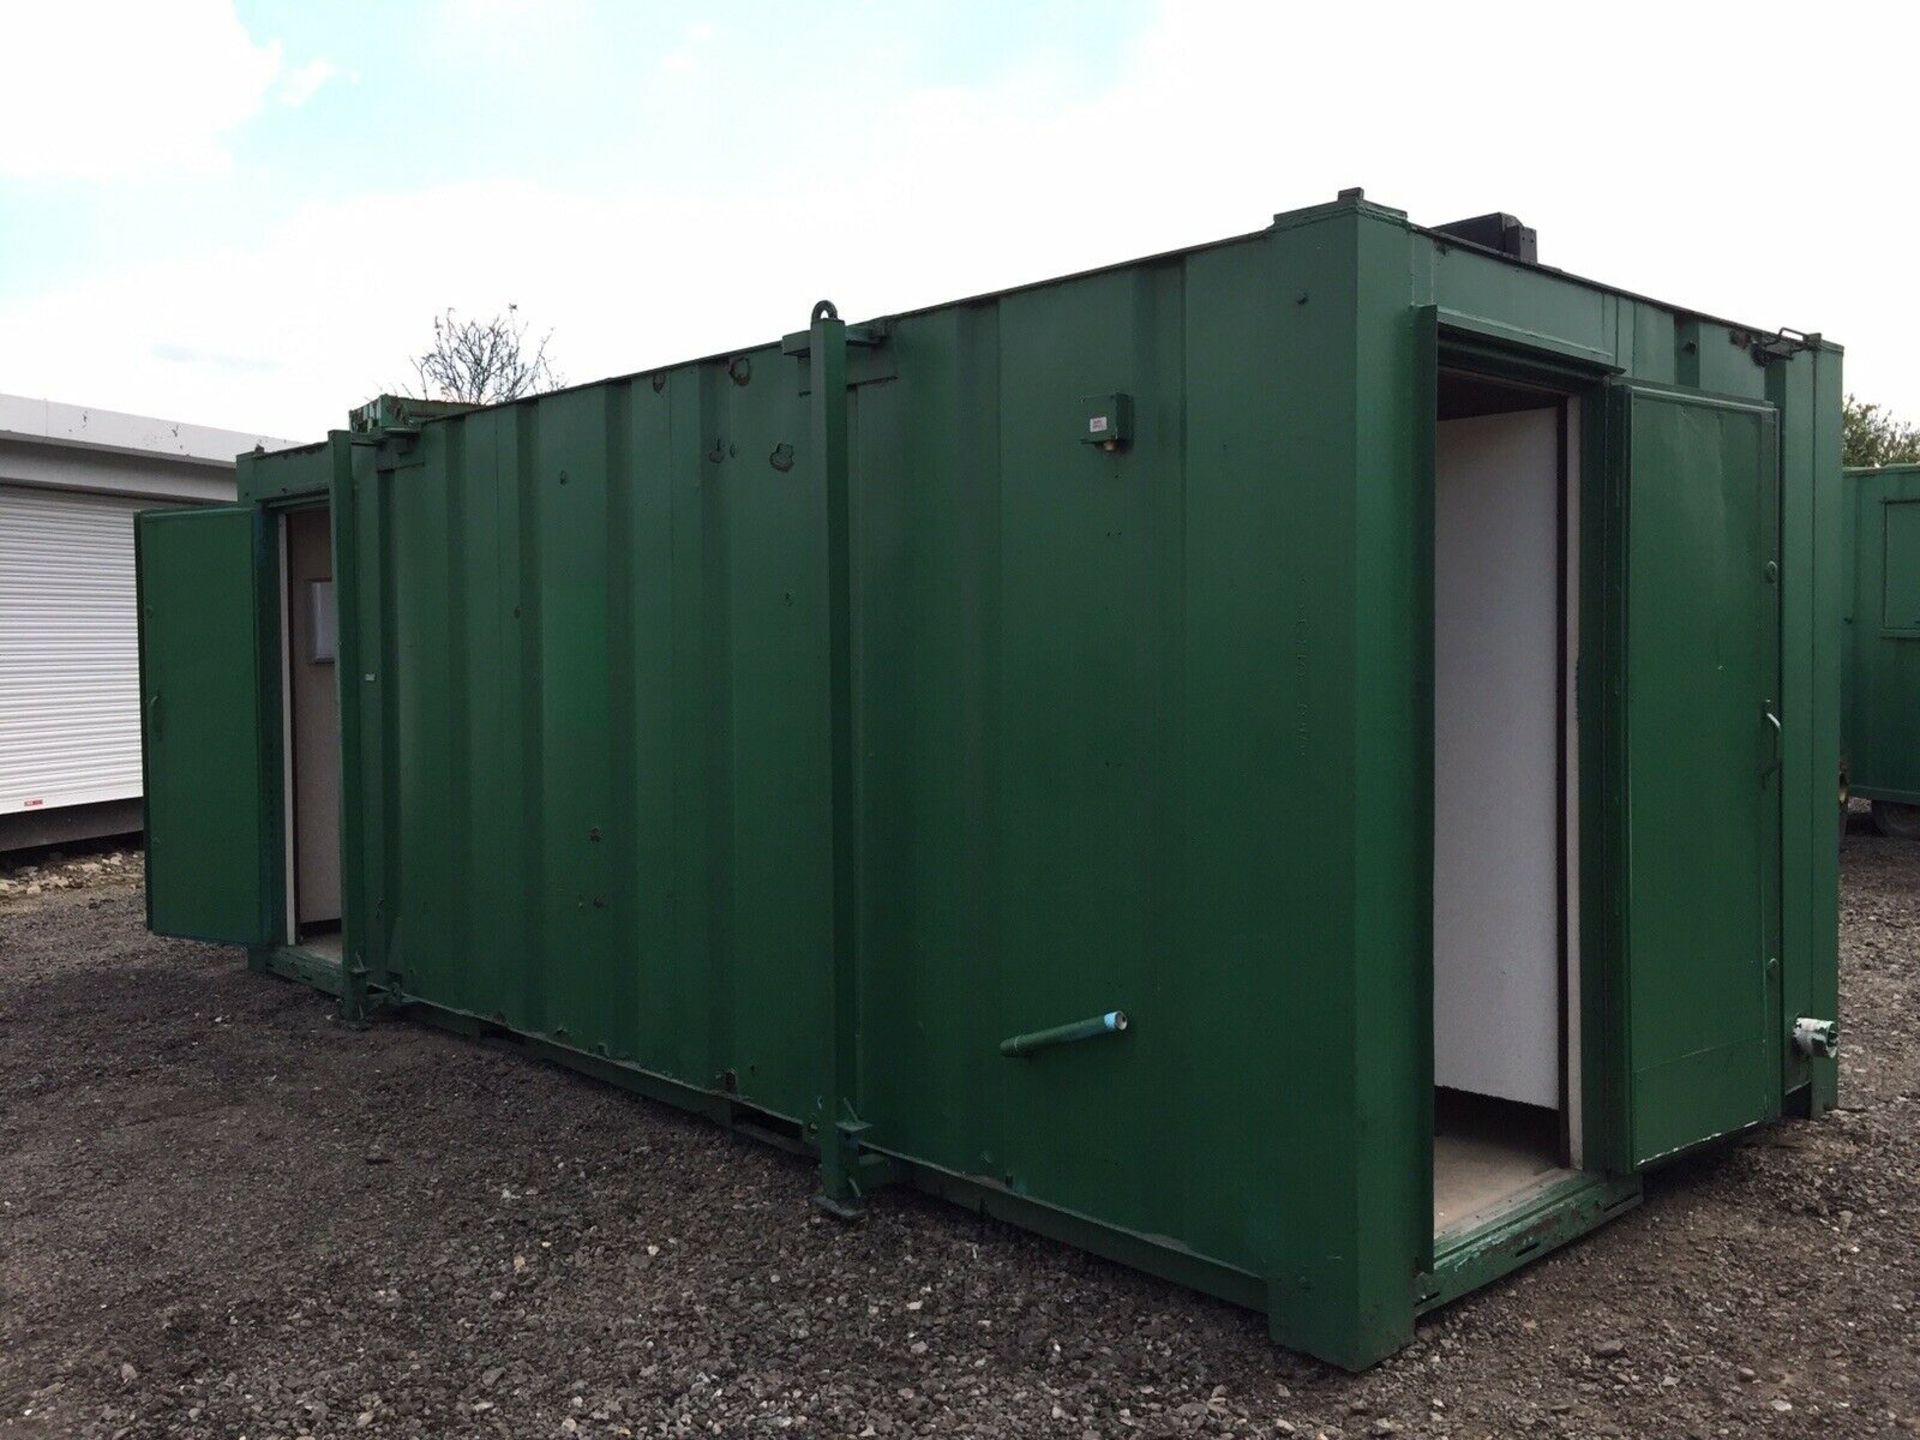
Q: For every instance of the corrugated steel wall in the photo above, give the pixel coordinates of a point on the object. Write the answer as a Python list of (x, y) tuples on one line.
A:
[(1102, 709), (605, 728)]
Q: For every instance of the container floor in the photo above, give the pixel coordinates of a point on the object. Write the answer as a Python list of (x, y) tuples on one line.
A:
[(1488, 1154), (327, 945)]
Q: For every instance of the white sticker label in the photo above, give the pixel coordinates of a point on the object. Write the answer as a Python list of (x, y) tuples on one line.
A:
[(1096, 425)]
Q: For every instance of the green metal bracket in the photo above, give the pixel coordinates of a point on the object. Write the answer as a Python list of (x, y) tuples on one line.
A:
[(1783, 344), (398, 448), (399, 412), (868, 357), (848, 1171), (800, 342), (354, 1006)]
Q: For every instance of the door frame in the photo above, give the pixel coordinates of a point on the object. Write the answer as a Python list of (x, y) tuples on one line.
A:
[(326, 484), (1444, 340), (277, 627), (283, 954)]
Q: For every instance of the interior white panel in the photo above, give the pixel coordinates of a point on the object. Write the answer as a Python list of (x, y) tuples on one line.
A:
[(314, 706), (1570, 790), (1497, 685)]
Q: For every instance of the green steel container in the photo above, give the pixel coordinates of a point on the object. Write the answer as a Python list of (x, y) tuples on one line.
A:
[(1880, 704), (994, 747)]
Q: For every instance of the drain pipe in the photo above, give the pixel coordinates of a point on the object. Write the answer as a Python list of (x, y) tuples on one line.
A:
[(1110, 1023)]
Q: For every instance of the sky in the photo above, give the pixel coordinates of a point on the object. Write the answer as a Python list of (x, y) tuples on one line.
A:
[(247, 214)]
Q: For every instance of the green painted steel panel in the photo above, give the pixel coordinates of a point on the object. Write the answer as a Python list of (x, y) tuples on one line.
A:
[(1806, 393), (1704, 748), (202, 708), (284, 475), (785, 784), (1883, 634), (1899, 572), (601, 718)]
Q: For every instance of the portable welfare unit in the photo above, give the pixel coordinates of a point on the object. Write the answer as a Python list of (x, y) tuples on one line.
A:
[(1880, 704), (71, 479), (1303, 765)]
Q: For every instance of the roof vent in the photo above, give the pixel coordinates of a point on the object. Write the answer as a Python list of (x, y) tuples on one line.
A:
[(1500, 232)]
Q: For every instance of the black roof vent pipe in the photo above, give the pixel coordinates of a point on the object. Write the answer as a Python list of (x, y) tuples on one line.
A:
[(1500, 232)]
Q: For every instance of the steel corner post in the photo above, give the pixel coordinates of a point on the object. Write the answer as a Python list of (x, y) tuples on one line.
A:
[(837, 1114), (352, 456)]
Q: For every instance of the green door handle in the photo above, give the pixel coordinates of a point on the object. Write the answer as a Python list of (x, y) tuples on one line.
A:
[(1773, 723), (153, 716)]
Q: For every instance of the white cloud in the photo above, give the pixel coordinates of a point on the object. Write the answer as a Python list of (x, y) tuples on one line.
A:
[(118, 88), (489, 14), (287, 334), (1218, 118), (685, 57), (304, 81), (509, 30)]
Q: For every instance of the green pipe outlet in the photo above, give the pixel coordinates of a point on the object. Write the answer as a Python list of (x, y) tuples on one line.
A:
[(1110, 1023)]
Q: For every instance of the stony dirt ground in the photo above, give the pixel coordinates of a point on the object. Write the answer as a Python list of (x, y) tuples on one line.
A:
[(224, 1214)]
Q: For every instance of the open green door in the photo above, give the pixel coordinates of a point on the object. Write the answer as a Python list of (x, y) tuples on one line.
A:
[(1698, 483), (200, 719)]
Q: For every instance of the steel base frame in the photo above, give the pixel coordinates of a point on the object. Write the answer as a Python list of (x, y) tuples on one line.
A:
[(1554, 1218)]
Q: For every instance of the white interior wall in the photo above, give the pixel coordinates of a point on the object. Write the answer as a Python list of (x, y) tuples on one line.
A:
[(1570, 792), (314, 721), (1497, 685), (287, 759)]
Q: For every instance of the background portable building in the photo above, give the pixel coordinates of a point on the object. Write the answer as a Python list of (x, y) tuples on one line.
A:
[(1880, 702), (1303, 764), (71, 478)]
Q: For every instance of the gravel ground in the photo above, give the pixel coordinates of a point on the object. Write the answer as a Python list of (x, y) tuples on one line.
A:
[(224, 1214)]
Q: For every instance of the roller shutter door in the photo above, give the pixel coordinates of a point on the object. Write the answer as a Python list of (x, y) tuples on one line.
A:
[(69, 669)]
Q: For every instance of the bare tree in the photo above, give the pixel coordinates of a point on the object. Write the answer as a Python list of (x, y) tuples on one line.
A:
[(484, 362)]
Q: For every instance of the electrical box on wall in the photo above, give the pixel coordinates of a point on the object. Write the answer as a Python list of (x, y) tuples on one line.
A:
[(1107, 421)]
